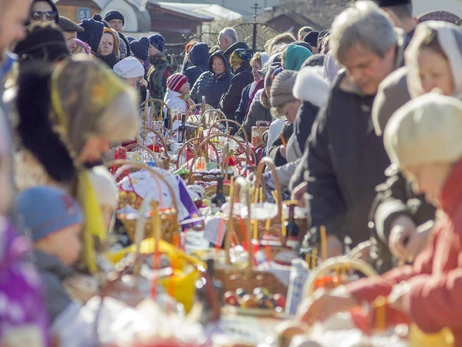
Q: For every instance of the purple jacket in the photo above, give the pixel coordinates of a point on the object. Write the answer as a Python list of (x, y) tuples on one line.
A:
[(21, 299)]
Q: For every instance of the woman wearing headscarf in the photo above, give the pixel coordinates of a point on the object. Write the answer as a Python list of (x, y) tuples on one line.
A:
[(68, 117), (240, 63), (423, 140), (294, 57), (401, 218)]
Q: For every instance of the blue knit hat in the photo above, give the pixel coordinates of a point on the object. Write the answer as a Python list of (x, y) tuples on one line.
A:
[(44, 210), (158, 41), (140, 48), (114, 14)]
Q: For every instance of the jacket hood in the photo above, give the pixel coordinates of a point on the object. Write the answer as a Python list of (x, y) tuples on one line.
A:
[(200, 54), (222, 56), (235, 46), (92, 34), (51, 3), (49, 263), (311, 86)]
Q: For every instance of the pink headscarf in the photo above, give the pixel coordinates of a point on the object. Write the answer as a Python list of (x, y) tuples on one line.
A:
[(83, 45)]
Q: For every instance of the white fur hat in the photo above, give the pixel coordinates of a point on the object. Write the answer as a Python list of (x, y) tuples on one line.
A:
[(425, 130)]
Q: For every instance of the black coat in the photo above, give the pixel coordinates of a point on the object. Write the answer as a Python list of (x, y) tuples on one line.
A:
[(210, 85), (395, 198), (274, 152), (231, 99), (346, 161), (199, 62)]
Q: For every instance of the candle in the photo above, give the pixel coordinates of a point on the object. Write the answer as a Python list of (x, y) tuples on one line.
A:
[(323, 242)]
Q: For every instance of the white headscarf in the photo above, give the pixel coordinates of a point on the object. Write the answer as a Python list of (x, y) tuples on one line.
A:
[(450, 39), (129, 67)]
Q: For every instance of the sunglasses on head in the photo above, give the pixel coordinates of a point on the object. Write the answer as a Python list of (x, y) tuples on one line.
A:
[(49, 15)]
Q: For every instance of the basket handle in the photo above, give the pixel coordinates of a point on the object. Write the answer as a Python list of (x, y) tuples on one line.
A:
[(266, 161), (263, 123), (335, 263), (207, 141), (215, 125), (126, 165), (152, 102), (188, 144), (239, 186)]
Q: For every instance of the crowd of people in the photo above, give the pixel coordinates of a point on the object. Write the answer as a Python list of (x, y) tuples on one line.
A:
[(364, 130)]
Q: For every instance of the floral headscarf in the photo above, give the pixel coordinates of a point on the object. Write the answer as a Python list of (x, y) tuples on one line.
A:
[(239, 56)]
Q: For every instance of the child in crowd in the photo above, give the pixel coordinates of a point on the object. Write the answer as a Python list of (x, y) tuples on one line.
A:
[(177, 97), (53, 220)]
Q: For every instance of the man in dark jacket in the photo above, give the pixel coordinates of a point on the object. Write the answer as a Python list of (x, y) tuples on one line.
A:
[(239, 61), (213, 83), (116, 20), (199, 62), (400, 12), (346, 161)]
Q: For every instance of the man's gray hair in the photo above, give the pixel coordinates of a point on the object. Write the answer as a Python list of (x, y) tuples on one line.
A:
[(365, 24), (229, 32)]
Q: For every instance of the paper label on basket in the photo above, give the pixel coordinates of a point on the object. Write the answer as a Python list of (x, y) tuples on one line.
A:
[(215, 230)]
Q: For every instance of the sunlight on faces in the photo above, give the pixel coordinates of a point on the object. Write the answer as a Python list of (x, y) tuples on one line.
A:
[(106, 46), (70, 40), (289, 110), (12, 18), (116, 24), (41, 6), (94, 148), (64, 244), (366, 69), (428, 179), (256, 76), (435, 72), (218, 66), (224, 42), (185, 89)]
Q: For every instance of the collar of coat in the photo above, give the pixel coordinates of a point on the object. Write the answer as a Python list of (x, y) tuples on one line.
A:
[(349, 86)]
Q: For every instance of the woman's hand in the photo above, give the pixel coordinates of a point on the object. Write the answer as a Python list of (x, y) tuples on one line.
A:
[(325, 305)]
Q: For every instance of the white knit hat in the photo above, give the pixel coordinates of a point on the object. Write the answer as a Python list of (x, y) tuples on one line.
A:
[(425, 130), (129, 67)]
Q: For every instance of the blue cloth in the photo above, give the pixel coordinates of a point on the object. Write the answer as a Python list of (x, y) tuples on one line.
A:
[(44, 210)]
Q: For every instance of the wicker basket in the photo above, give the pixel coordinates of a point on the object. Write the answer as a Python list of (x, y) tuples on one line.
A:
[(169, 217), (247, 278)]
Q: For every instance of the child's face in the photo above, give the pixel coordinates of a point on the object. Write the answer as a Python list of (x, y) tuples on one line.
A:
[(66, 244), (108, 212), (185, 88)]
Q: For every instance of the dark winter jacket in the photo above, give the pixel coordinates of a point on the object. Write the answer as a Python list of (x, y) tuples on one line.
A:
[(259, 111), (199, 59), (233, 47), (395, 198), (158, 74), (52, 273), (346, 160), (231, 99), (210, 85), (239, 116)]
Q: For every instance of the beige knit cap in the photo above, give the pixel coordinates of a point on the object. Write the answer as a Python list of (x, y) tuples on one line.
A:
[(425, 130), (281, 90)]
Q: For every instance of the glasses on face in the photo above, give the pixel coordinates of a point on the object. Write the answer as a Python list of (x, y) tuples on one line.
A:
[(48, 15)]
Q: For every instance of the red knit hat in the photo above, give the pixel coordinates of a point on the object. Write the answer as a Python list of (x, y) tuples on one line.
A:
[(176, 81)]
